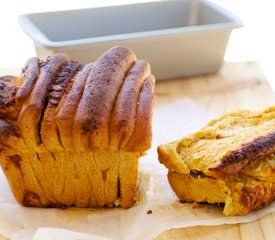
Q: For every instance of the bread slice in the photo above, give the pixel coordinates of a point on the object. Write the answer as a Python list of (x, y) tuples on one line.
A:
[(70, 134), (228, 161)]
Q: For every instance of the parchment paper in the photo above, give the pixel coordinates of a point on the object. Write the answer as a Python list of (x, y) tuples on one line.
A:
[(171, 121)]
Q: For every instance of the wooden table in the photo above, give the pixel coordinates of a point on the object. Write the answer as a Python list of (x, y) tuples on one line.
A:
[(237, 85)]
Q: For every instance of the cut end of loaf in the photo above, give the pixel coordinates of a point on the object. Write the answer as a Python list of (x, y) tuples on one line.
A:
[(89, 180)]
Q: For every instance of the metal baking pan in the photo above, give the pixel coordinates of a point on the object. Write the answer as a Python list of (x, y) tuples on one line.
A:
[(178, 37)]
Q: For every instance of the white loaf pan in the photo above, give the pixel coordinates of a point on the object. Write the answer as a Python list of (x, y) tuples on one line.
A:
[(178, 37)]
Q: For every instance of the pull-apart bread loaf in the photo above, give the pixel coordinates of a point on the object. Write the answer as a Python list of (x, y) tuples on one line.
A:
[(71, 134), (230, 161)]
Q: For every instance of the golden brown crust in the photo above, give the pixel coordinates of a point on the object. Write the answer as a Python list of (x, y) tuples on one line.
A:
[(30, 114), (49, 131), (92, 118), (30, 74), (124, 113), (8, 89), (143, 125), (101, 111), (68, 106), (235, 161)]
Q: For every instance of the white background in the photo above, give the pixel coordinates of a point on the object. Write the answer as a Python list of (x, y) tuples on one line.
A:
[(254, 42)]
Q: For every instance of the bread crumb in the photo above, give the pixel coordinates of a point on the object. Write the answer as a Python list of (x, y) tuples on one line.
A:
[(149, 211), (195, 205)]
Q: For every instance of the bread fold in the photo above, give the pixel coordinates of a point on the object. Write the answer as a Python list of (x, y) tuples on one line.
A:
[(30, 74), (125, 110), (144, 115), (92, 118), (32, 109), (50, 135), (65, 127), (68, 106)]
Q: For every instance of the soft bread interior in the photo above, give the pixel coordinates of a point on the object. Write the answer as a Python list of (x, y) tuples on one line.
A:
[(230, 161), (240, 194)]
